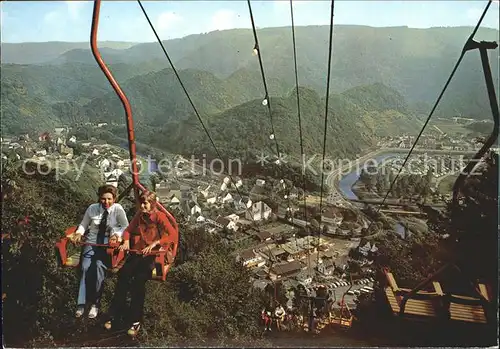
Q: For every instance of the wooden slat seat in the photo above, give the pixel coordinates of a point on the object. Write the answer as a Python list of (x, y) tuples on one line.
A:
[(392, 299), (412, 307), (427, 304), (468, 313)]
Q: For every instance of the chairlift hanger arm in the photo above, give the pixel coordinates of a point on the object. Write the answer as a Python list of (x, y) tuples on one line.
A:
[(468, 46), (483, 48), (121, 95), (137, 186)]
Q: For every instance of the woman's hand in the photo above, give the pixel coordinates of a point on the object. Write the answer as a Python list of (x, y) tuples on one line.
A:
[(149, 248), (115, 238), (125, 246)]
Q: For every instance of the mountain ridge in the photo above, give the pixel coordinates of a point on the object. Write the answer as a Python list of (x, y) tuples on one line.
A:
[(244, 131), (415, 62)]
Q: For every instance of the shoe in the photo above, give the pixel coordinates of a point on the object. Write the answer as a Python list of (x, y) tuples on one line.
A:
[(93, 312), (134, 329), (80, 311), (107, 325)]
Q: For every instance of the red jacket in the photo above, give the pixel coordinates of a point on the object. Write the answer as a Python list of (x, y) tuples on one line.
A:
[(149, 227)]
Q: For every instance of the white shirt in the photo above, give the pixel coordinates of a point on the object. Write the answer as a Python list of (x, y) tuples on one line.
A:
[(117, 221), (279, 311)]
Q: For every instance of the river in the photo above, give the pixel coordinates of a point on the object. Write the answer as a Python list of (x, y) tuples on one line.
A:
[(149, 168), (348, 180)]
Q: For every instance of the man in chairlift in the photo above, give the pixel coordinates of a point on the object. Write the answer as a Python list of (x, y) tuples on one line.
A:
[(103, 221)]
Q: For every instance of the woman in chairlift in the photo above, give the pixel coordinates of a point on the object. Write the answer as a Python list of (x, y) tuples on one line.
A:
[(149, 228), (102, 221)]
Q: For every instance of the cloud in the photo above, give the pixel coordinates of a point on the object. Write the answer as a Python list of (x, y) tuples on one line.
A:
[(72, 11), (223, 19), (5, 22), (474, 14), (284, 5), (167, 21), (74, 8), (52, 17), (4, 17)]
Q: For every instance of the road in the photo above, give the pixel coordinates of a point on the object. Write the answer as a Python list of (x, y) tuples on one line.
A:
[(349, 299), (437, 128)]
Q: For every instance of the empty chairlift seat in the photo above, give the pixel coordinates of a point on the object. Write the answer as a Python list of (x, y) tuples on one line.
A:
[(434, 304)]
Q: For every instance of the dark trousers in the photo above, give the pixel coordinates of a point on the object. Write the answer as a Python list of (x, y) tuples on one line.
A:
[(132, 278)]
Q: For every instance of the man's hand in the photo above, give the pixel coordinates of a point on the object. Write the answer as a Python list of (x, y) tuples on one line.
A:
[(75, 238), (149, 248), (125, 246)]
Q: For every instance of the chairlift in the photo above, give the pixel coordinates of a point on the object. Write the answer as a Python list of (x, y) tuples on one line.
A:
[(167, 253)]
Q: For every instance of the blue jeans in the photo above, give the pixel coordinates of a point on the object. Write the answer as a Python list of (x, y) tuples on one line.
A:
[(92, 269)]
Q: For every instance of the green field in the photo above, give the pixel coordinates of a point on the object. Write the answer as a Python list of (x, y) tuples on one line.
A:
[(449, 127), (446, 184)]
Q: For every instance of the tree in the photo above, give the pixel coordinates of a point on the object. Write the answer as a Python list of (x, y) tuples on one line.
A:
[(48, 145), (276, 293), (314, 225), (410, 260), (473, 222), (353, 267), (123, 183), (77, 148), (214, 295), (274, 217), (325, 229), (154, 181), (36, 302), (300, 300)]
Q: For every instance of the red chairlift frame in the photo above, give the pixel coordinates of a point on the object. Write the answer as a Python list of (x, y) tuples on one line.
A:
[(167, 253)]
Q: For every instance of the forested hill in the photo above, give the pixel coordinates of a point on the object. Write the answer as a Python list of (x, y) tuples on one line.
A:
[(76, 82), (43, 52), (415, 62), (232, 109), (35, 97), (158, 98), (245, 129)]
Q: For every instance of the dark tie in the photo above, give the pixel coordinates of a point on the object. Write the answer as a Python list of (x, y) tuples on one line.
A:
[(102, 227)]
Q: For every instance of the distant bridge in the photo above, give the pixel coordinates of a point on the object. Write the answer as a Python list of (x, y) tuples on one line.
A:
[(402, 212), (429, 151), (392, 202), (388, 202)]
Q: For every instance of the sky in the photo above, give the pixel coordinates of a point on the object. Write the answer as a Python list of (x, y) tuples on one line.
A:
[(39, 21)]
